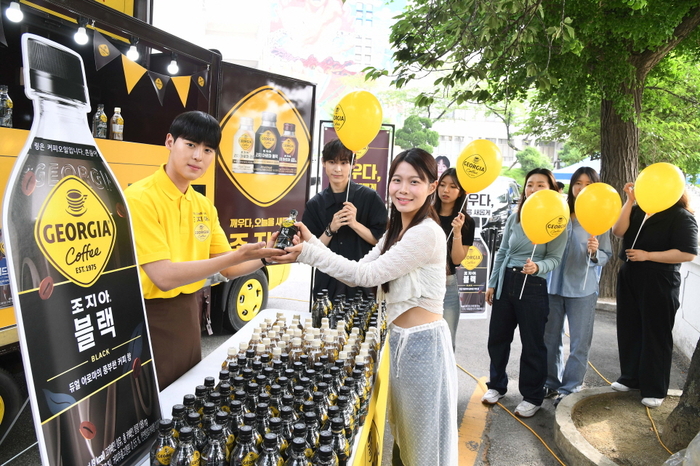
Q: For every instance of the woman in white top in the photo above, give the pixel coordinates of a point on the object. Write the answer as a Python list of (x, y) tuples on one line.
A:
[(408, 263)]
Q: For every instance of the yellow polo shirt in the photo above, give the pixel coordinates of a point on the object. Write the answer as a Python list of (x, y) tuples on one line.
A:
[(171, 225)]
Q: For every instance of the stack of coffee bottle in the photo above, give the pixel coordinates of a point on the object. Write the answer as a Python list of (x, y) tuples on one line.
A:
[(295, 394)]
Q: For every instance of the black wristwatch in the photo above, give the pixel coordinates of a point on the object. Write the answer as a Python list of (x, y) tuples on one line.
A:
[(329, 232), (264, 262)]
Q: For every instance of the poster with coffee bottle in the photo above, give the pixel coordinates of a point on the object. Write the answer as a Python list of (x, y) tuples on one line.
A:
[(75, 283), (267, 137), (288, 150)]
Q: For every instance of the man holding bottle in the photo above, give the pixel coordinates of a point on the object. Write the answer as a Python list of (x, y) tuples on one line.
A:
[(179, 243), (349, 223)]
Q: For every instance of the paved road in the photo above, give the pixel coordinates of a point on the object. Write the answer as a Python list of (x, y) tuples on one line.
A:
[(488, 436)]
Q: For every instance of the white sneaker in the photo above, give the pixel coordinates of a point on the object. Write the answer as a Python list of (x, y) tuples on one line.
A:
[(526, 409), (618, 387), (491, 397), (652, 402)]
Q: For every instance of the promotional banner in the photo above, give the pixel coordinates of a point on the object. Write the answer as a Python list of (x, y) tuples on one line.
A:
[(371, 165), (263, 165), (472, 278), (78, 303)]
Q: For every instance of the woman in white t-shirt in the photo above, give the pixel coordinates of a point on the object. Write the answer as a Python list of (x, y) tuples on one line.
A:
[(408, 265)]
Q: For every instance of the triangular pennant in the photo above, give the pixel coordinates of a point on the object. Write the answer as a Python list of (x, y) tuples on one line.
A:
[(182, 85), (2, 34), (201, 80), (132, 73), (105, 52), (159, 82)]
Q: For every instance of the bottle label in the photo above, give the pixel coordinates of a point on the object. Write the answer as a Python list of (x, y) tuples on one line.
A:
[(103, 118), (289, 145), (250, 459), (308, 453), (195, 458), (165, 454)]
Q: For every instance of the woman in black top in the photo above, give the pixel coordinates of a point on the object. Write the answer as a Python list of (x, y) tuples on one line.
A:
[(648, 288), (448, 202)]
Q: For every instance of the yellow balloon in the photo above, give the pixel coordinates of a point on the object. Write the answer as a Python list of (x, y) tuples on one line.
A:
[(478, 165), (357, 119), (544, 216), (597, 208), (658, 187)]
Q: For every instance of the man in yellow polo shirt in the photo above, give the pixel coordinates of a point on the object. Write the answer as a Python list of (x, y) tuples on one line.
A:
[(179, 243)]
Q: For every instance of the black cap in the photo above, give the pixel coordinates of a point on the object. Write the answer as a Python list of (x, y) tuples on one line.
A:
[(299, 444), (325, 452), (270, 440), (186, 433), (178, 409), (325, 437), (188, 400), (215, 430), (337, 423), (209, 408), (193, 419), (286, 412), (245, 433), (53, 69), (165, 425), (221, 417), (249, 419), (200, 390), (209, 381)]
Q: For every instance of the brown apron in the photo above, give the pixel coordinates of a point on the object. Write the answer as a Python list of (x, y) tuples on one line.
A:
[(175, 335)]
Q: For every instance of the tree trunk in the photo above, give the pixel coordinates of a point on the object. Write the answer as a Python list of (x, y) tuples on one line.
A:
[(619, 145), (684, 421)]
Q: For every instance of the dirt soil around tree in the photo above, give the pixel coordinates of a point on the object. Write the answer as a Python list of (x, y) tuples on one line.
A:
[(617, 425)]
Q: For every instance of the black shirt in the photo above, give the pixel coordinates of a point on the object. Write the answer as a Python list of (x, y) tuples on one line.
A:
[(673, 228), (467, 236), (319, 211)]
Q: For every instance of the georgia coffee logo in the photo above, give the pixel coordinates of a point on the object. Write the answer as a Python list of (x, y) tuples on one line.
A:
[(556, 226), (201, 231), (159, 83), (474, 166), (104, 50), (338, 118), (268, 139), (75, 231), (200, 81), (246, 141), (289, 146), (473, 258)]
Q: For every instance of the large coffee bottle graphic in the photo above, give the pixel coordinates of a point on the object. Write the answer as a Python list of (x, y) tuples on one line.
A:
[(76, 289)]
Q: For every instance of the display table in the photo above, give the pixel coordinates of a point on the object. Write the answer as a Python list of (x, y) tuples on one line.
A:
[(367, 448)]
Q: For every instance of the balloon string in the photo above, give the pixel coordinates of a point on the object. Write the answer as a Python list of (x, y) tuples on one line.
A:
[(460, 211), (588, 264), (525, 280), (646, 216), (352, 164)]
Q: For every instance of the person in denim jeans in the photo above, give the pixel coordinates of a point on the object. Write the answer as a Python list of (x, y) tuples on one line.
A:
[(511, 267), (570, 300), (459, 228)]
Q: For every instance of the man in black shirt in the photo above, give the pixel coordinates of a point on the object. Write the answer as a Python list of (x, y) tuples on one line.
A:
[(349, 228)]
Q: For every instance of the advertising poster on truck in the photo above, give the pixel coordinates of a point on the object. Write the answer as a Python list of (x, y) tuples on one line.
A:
[(77, 296), (371, 165), (264, 160)]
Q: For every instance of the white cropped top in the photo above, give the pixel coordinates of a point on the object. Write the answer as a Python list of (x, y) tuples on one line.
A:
[(414, 268)]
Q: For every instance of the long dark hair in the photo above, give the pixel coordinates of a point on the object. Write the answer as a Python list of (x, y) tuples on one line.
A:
[(452, 173), (537, 171), (592, 175), (425, 165), (684, 202)]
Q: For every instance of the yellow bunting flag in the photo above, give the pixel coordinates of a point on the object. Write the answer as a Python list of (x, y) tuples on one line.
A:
[(132, 73), (182, 85)]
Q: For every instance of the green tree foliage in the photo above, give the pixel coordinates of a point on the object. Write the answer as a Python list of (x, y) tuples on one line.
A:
[(530, 158), (570, 154), (416, 132)]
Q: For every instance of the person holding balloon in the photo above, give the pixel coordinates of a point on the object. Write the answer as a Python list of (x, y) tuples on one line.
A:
[(517, 289), (459, 229), (573, 286), (408, 264), (658, 235)]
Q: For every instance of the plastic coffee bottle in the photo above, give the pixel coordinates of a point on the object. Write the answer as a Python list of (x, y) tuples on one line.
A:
[(5, 108), (164, 446), (244, 147), (99, 123), (297, 455), (245, 452), (200, 438), (288, 150), (287, 231), (270, 455), (116, 125), (178, 419), (214, 454), (266, 160), (325, 439), (325, 456), (340, 442), (185, 454)]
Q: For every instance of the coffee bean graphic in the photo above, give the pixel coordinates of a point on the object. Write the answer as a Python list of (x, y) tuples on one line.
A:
[(136, 368), (46, 288), (28, 183), (121, 210), (88, 430)]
